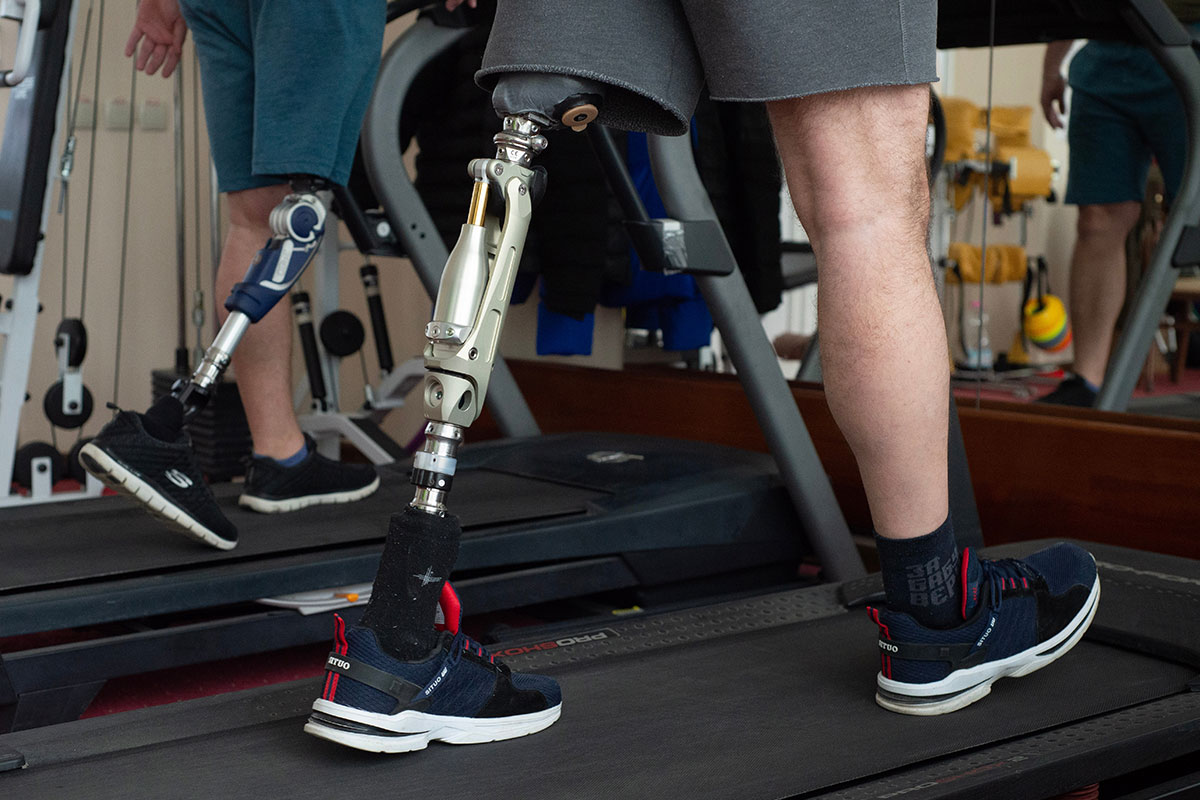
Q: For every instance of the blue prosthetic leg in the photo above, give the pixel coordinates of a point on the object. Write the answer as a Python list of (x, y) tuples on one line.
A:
[(298, 225)]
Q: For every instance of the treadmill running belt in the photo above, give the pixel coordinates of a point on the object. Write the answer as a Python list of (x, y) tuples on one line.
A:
[(768, 713), (97, 538)]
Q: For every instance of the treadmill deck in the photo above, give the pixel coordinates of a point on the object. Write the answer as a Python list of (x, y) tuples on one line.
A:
[(765, 697)]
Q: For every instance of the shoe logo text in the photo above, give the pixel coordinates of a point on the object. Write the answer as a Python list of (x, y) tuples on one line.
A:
[(991, 624), (891, 648), (337, 662), (178, 478), (436, 682)]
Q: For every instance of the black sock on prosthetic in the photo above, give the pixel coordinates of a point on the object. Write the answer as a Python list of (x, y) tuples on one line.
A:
[(920, 576), (420, 551), (164, 419)]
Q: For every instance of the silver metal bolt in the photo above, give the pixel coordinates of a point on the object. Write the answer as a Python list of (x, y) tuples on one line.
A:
[(474, 354)]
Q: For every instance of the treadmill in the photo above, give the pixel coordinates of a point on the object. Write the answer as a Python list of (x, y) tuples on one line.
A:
[(766, 696), (575, 515), (769, 696)]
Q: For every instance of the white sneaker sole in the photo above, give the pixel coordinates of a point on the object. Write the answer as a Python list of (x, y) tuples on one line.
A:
[(265, 506), (965, 686), (117, 477), (414, 730)]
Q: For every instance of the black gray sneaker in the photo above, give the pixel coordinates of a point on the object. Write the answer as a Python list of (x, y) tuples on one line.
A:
[(272, 488), (162, 476), (1072, 391)]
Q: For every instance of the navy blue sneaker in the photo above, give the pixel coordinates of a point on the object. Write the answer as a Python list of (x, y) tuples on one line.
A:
[(459, 695), (1018, 616)]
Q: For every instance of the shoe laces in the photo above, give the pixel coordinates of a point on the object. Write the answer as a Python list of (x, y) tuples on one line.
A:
[(1005, 573), (465, 644)]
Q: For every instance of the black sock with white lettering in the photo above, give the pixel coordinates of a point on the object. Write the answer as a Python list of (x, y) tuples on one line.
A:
[(420, 551), (920, 576)]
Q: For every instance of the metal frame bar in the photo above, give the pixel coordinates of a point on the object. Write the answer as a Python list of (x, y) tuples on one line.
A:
[(733, 311)]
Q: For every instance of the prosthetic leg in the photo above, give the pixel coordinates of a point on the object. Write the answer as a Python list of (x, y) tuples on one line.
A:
[(463, 336), (474, 293), (298, 225)]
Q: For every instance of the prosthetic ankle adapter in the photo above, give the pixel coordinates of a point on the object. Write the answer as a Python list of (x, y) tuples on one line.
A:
[(297, 225), (474, 292)]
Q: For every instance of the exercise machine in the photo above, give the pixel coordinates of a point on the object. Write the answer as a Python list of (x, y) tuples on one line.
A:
[(37, 86)]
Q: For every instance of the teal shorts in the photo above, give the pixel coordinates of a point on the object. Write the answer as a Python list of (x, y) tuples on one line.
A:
[(286, 84), (1124, 111)]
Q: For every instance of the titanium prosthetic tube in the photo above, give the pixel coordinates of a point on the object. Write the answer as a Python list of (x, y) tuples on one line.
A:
[(298, 225), (473, 296)]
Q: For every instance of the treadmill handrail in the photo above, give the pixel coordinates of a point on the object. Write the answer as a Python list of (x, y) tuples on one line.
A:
[(728, 299)]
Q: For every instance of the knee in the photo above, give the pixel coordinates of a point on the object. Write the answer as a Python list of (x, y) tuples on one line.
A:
[(1109, 221), (251, 208), (855, 160), (889, 204)]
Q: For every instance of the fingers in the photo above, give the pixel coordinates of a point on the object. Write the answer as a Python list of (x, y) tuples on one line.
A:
[(157, 57), (150, 57), (179, 35), (171, 62), (134, 36)]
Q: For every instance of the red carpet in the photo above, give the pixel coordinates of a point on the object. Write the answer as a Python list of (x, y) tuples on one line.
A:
[(1026, 390)]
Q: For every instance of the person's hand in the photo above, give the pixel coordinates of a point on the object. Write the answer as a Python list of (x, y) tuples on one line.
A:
[(453, 4), (1054, 99), (161, 30)]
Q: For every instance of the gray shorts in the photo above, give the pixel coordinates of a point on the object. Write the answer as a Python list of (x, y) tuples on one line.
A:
[(656, 55)]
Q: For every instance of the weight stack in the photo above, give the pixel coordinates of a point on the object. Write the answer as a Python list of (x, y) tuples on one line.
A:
[(220, 435)]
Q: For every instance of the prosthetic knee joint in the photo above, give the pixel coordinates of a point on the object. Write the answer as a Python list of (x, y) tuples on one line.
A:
[(476, 285), (297, 225)]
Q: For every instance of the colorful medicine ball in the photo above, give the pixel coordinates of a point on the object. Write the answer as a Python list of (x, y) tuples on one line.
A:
[(1047, 324)]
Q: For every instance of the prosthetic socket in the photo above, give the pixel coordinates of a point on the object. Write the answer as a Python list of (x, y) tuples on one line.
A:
[(477, 283), (297, 225)]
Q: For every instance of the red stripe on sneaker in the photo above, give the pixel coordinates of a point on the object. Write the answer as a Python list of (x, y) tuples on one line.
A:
[(327, 692), (341, 646), (966, 556), (885, 661)]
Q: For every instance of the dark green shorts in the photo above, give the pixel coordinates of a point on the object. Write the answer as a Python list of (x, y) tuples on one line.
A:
[(1124, 110), (286, 84)]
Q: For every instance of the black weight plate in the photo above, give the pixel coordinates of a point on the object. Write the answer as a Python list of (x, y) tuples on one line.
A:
[(342, 334), (23, 463), (52, 406)]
